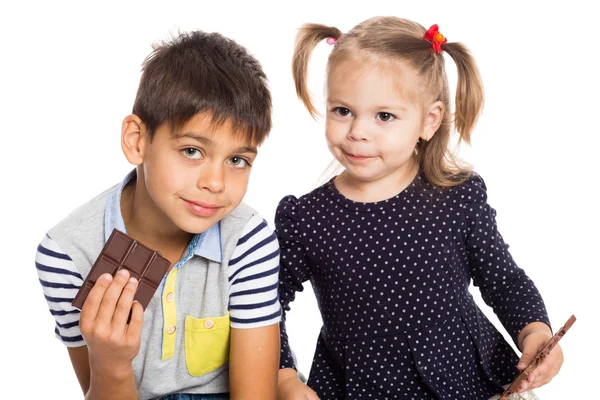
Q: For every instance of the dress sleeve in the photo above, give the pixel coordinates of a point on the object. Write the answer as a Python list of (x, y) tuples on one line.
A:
[(294, 267), (504, 286)]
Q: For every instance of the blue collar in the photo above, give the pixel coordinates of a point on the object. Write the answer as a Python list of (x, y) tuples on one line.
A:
[(206, 244)]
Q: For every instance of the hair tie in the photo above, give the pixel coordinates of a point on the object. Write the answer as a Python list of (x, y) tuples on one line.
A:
[(436, 38), (332, 40)]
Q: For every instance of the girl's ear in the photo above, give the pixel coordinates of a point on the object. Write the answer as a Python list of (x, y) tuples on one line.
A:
[(133, 139), (432, 121)]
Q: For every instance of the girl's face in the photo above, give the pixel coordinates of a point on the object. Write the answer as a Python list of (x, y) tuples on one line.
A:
[(372, 124)]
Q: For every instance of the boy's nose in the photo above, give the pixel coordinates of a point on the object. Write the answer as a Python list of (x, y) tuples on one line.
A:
[(212, 178)]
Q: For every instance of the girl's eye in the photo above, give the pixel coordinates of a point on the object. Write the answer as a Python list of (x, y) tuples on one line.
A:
[(238, 162), (192, 153), (385, 117), (342, 111)]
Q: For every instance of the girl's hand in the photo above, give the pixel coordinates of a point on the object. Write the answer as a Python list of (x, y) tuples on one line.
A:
[(548, 369), (112, 342), (291, 388)]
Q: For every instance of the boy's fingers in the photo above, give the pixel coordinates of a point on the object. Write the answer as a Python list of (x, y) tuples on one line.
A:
[(134, 329), (119, 319), (90, 308), (111, 296)]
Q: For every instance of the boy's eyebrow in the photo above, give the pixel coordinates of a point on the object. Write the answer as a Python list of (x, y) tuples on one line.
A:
[(202, 139), (246, 149), (208, 142)]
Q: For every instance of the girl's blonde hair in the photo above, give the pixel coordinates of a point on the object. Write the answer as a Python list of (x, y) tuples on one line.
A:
[(387, 39)]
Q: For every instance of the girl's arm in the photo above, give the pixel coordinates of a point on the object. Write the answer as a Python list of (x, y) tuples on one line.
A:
[(294, 271), (254, 361), (504, 286), (291, 388), (532, 338)]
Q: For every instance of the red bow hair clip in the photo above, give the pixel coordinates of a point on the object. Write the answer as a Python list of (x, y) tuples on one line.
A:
[(436, 38)]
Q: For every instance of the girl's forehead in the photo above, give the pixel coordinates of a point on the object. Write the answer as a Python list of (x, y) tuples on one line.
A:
[(359, 62), (384, 77)]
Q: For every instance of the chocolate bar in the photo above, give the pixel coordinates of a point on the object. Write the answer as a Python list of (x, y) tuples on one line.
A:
[(122, 251), (538, 359)]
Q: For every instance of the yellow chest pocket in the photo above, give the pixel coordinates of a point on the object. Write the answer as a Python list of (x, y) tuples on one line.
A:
[(206, 344)]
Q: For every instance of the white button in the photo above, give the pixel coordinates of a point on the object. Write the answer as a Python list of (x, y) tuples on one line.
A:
[(209, 323), (170, 297), (171, 329)]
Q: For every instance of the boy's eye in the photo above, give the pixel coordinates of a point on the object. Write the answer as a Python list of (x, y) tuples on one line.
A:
[(342, 111), (385, 117), (238, 162), (192, 153)]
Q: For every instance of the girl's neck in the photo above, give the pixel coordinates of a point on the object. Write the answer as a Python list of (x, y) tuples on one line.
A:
[(380, 189)]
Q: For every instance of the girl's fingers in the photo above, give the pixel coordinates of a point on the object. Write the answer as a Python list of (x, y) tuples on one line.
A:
[(546, 371), (123, 308)]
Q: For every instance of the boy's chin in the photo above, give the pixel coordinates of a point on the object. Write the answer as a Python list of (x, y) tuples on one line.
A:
[(197, 227)]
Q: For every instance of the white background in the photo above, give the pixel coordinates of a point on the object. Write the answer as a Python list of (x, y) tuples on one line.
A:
[(68, 76)]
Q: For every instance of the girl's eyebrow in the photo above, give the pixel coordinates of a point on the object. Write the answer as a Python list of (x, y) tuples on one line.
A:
[(377, 107), (391, 107)]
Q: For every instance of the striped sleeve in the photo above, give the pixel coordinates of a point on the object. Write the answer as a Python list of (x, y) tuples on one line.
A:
[(60, 281), (254, 277)]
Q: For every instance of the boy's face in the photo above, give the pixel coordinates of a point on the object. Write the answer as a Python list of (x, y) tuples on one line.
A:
[(197, 175)]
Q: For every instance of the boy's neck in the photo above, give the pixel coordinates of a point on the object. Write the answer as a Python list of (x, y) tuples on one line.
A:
[(145, 223)]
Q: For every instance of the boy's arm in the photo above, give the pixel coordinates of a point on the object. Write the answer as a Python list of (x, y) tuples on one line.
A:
[(81, 365), (104, 386), (60, 281), (254, 362), (112, 341), (254, 313)]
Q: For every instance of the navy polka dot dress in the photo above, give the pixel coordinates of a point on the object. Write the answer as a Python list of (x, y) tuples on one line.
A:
[(391, 280)]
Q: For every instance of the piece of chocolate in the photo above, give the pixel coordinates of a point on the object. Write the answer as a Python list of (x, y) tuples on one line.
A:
[(538, 359), (122, 251)]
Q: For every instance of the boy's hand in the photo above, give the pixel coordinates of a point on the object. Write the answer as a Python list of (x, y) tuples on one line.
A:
[(531, 343), (291, 388), (112, 342)]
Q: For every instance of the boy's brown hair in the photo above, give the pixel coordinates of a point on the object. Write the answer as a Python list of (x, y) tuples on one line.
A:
[(200, 72)]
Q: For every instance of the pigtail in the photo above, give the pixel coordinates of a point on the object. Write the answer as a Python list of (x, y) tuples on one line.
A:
[(306, 40), (440, 164), (469, 90)]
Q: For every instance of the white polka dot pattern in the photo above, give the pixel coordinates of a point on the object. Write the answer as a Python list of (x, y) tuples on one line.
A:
[(391, 279)]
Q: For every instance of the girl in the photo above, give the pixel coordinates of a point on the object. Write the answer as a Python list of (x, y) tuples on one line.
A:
[(392, 243)]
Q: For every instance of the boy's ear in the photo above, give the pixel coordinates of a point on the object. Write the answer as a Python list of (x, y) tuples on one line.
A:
[(133, 139), (433, 119)]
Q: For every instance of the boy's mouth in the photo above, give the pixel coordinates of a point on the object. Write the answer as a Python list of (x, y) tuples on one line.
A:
[(202, 209)]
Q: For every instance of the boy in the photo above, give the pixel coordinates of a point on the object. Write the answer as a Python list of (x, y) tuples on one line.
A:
[(201, 110)]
